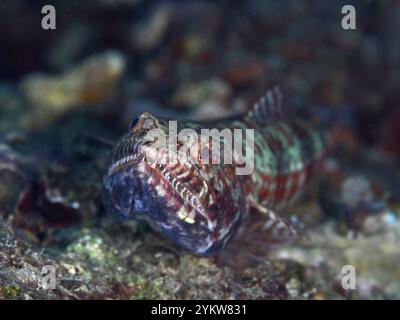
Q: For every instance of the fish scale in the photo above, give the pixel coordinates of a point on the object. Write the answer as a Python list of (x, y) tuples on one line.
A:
[(288, 168)]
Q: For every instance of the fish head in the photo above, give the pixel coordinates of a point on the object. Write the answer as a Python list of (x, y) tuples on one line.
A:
[(122, 184), (172, 195)]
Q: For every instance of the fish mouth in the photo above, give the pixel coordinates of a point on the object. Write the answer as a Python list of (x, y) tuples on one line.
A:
[(124, 163)]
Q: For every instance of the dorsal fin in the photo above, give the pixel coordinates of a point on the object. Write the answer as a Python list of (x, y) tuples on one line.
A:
[(270, 105)]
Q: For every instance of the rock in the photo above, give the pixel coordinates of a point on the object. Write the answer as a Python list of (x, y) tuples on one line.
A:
[(92, 81), (148, 34), (191, 95), (14, 179), (356, 190), (245, 73)]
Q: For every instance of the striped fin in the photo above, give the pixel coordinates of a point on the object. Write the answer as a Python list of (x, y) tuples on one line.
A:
[(274, 227), (269, 106), (261, 230)]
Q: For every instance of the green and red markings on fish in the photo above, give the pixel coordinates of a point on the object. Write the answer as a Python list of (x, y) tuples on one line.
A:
[(200, 206)]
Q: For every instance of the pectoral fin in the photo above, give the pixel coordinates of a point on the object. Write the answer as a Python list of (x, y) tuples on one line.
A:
[(271, 225), (262, 230)]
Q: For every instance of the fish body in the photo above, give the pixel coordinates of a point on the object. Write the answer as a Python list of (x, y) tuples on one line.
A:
[(202, 205)]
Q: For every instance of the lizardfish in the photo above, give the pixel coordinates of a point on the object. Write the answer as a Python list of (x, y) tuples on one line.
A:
[(201, 205)]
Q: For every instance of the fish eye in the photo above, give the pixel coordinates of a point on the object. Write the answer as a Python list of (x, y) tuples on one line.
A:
[(134, 122)]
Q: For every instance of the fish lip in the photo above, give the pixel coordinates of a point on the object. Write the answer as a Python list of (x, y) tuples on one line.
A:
[(122, 163)]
